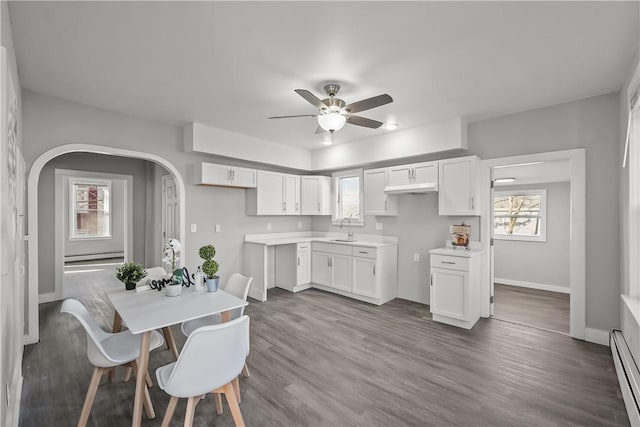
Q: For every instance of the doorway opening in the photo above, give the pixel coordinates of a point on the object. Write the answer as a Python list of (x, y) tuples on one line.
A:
[(36, 269)]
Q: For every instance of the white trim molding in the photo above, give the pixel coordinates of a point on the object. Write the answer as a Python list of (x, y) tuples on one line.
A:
[(597, 336), (33, 330), (531, 285)]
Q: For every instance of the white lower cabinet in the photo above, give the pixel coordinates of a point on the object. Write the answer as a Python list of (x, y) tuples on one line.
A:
[(293, 266), (365, 273), (455, 286)]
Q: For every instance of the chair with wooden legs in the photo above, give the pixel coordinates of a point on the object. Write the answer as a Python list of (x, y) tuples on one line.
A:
[(211, 359), (106, 351)]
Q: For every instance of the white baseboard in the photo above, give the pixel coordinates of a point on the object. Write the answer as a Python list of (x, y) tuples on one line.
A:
[(531, 285), (50, 297), (597, 336)]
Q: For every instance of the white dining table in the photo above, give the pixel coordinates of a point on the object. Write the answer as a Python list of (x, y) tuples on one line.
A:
[(146, 311)]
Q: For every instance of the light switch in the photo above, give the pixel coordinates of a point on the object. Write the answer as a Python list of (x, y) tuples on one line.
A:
[(268, 226), (194, 228), (416, 257), (378, 226), (217, 228), (299, 225)]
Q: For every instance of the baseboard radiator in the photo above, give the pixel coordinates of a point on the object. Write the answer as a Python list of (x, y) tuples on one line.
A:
[(628, 375)]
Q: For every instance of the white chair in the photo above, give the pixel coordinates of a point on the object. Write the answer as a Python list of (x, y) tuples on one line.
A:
[(105, 351), (237, 285), (211, 359)]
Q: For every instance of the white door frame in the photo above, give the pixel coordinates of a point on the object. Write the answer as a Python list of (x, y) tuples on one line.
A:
[(163, 240), (577, 230), (33, 334)]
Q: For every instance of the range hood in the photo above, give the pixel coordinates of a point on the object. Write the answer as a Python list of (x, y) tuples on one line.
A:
[(424, 187)]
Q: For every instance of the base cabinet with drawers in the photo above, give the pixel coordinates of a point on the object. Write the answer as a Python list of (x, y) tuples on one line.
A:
[(366, 273), (455, 283)]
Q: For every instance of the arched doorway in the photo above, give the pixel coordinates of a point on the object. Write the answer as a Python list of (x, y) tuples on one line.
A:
[(32, 330)]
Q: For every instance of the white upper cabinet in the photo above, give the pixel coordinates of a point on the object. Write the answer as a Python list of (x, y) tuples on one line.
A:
[(458, 194), (291, 195), (223, 175), (315, 195), (417, 173), (375, 200), (275, 194)]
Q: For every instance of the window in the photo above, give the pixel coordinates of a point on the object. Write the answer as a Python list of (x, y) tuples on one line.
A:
[(520, 215), (348, 196), (90, 209)]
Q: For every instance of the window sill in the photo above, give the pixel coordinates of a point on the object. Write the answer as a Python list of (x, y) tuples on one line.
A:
[(84, 239), (633, 304)]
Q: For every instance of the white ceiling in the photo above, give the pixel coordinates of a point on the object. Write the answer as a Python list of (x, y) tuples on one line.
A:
[(232, 64)]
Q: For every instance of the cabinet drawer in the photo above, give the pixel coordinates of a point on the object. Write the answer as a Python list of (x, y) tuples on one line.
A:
[(304, 247), (364, 252), (331, 248), (450, 262)]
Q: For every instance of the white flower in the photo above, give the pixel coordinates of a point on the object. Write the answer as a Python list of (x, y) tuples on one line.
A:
[(175, 245)]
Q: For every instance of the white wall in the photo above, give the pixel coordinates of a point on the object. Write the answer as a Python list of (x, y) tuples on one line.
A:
[(117, 208), (11, 294), (591, 123), (542, 263)]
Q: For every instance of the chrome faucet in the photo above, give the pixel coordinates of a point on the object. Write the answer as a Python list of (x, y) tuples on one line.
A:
[(349, 232)]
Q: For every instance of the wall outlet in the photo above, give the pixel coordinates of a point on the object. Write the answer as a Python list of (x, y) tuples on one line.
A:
[(378, 226), (194, 228), (217, 228), (299, 225), (268, 226), (416, 257)]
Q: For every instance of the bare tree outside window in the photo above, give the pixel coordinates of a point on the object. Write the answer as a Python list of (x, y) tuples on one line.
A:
[(90, 209), (519, 215)]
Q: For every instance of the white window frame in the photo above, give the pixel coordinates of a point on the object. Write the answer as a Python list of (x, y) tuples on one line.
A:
[(543, 215), (337, 202), (72, 207)]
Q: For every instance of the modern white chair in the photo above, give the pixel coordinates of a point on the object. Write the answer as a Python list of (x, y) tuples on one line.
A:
[(211, 359), (105, 351), (237, 285)]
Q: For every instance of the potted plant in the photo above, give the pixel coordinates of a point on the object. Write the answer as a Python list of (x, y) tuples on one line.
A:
[(130, 273), (171, 251), (210, 267)]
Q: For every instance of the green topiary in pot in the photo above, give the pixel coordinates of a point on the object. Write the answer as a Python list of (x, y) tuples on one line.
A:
[(130, 273), (210, 267)]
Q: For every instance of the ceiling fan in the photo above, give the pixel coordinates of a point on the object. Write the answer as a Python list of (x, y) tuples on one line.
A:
[(334, 112)]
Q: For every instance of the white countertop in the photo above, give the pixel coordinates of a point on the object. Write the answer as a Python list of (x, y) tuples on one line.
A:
[(460, 252), (274, 239)]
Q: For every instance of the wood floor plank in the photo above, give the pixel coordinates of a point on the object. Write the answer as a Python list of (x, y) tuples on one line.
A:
[(318, 359)]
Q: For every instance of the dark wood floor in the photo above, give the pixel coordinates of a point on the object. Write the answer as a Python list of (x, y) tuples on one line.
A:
[(532, 307), (318, 359)]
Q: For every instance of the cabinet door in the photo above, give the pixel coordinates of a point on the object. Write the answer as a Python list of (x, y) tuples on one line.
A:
[(270, 193), (325, 203), (376, 201), (425, 173), (364, 277), (449, 293), (321, 268), (292, 195), (243, 177), (457, 187), (213, 174), (304, 268), (309, 195), (400, 175), (341, 266)]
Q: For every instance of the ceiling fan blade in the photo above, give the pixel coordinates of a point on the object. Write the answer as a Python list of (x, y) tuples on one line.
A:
[(311, 99), (361, 121), (367, 104), (320, 130), (288, 117)]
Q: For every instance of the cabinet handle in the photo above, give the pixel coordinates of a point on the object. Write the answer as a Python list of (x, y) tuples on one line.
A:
[(409, 174), (298, 260), (229, 175), (318, 206), (447, 262), (233, 174), (330, 262), (385, 205), (473, 202), (296, 206), (363, 252), (374, 270), (431, 280), (284, 206)]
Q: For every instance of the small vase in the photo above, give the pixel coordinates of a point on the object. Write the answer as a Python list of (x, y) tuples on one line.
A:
[(129, 286), (176, 278), (173, 290), (212, 284)]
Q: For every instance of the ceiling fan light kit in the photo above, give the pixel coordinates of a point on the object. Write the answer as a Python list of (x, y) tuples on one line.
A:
[(334, 113)]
